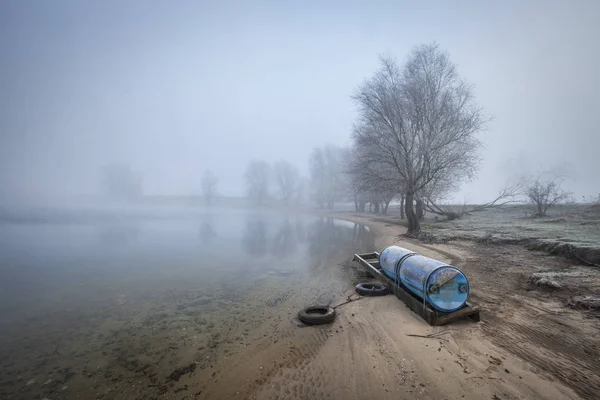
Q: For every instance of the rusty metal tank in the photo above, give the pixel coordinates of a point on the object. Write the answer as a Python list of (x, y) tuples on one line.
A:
[(441, 285)]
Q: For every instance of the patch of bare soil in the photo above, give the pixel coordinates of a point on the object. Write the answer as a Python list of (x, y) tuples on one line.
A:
[(585, 255), (534, 323)]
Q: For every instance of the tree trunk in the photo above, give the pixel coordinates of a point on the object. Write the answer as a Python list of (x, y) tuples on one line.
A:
[(413, 222), (385, 206), (420, 209), (401, 206), (376, 207)]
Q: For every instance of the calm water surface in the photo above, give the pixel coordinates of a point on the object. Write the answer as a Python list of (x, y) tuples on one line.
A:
[(93, 301)]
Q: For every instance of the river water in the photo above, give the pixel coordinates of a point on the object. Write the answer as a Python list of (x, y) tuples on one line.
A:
[(107, 303)]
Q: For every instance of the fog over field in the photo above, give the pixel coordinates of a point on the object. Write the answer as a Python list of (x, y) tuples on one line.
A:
[(171, 89)]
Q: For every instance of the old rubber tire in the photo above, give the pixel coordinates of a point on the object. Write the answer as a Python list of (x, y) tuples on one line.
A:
[(317, 315), (372, 289)]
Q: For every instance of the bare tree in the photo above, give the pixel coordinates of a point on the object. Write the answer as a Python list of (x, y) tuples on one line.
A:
[(371, 182), (327, 177), (300, 193), (544, 193), (287, 180), (359, 195), (209, 186), (121, 182), (257, 181), (419, 122)]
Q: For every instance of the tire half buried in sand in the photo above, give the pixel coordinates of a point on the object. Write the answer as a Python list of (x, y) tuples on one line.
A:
[(317, 315)]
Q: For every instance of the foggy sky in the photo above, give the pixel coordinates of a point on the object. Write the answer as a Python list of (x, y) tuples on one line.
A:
[(173, 88)]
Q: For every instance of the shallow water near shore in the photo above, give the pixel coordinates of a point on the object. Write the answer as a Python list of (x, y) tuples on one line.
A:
[(148, 305)]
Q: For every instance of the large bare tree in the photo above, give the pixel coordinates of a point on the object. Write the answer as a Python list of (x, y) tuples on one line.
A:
[(419, 121), (287, 180), (257, 181), (209, 186)]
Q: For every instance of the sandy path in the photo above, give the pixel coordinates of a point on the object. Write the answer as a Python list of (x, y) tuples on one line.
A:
[(370, 355), (367, 353)]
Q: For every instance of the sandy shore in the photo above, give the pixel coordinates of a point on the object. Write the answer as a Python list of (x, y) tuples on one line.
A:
[(517, 352), (372, 356)]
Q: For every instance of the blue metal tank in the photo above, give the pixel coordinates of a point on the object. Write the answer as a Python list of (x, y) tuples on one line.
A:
[(443, 286)]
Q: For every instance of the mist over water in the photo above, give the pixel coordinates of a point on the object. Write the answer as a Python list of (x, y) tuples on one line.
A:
[(43, 254), (72, 282)]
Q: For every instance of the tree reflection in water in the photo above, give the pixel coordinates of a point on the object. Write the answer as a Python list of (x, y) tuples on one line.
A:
[(327, 239), (118, 235), (254, 239), (207, 231), (362, 238), (300, 231), (284, 242)]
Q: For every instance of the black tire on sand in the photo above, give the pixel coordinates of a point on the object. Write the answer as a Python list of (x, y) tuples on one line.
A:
[(317, 315), (371, 289)]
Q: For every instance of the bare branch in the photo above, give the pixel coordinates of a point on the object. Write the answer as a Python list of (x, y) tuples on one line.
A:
[(257, 180), (287, 179)]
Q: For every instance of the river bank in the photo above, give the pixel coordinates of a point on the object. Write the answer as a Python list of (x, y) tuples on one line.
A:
[(527, 347), (529, 344)]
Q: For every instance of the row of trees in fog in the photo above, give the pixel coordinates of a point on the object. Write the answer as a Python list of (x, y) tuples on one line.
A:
[(414, 141), (281, 180), (326, 185), (337, 174), (328, 180)]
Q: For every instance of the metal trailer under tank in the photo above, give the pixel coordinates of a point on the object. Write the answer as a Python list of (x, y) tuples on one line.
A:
[(416, 296)]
